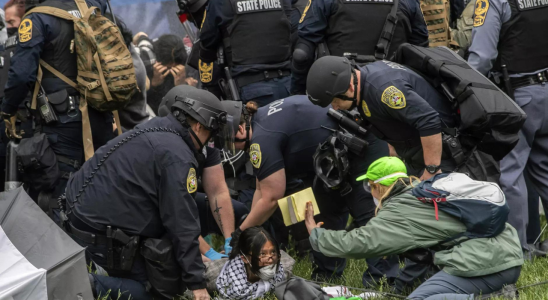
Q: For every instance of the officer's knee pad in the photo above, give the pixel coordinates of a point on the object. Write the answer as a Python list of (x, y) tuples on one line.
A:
[(302, 56)]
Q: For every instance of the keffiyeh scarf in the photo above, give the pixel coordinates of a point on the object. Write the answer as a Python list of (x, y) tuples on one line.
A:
[(232, 283)]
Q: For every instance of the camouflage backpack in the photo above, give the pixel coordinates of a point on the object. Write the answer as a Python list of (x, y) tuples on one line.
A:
[(106, 76), (436, 15)]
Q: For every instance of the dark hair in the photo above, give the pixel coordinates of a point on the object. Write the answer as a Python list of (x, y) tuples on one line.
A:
[(127, 35), (251, 241), (251, 107), (20, 6), (170, 48)]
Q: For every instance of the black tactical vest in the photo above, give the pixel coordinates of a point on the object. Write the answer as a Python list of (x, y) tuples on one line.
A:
[(260, 33), (523, 43), (357, 25), (5, 61), (57, 52)]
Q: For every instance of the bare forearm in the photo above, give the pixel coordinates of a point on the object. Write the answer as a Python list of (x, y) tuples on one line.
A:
[(261, 211), (432, 149), (204, 246), (223, 212)]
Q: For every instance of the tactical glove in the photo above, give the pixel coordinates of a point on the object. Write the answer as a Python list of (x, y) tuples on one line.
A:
[(11, 128), (214, 255), (235, 237)]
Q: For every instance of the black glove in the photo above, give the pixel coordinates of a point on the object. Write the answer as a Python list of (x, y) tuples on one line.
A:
[(235, 237)]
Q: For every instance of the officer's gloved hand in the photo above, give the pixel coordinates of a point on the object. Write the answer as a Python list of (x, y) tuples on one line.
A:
[(11, 129), (214, 255), (235, 237), (228, 248)]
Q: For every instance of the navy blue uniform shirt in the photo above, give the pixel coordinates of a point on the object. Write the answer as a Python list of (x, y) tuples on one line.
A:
[(24, 63), (146, 188)]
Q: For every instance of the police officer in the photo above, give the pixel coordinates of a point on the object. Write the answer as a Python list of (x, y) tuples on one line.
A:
[(48, 38), (282, 141), (401, 106), (143, 184), (372, 30), (508, 36), (256, 37)]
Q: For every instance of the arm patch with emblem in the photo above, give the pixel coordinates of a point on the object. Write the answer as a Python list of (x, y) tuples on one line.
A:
[(25, 31), (393, 98), (191, 181), (255, 155), (482, 6), (206, 71)]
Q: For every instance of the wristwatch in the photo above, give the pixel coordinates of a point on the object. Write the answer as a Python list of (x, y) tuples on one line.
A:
[(432, 169)]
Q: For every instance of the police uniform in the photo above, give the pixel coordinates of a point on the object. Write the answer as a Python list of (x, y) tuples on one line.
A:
[(49, 38), (511, 33), (256, 37), (402, 107), (346, 26), (144, 188), (285, 136)]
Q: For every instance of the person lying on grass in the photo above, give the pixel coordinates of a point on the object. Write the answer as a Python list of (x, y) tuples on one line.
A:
[(403, 223)]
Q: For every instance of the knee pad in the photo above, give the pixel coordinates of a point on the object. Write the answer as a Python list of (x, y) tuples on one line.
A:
[(303, 56)]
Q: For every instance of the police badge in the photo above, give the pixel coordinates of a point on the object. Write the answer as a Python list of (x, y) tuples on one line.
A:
[(191, 181), (255, 155), (393, 97)]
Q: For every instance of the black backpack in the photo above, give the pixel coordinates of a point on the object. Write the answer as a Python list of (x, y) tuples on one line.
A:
[(489, 119)]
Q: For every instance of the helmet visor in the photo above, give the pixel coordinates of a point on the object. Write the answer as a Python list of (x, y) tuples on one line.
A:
[(226, 135)]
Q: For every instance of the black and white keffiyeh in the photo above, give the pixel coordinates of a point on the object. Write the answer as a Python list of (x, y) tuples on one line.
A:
[(232, 283)]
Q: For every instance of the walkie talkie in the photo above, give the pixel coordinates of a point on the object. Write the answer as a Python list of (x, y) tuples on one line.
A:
[(44, 108)]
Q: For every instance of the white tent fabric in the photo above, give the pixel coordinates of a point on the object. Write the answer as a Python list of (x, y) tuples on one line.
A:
[(19, 279)]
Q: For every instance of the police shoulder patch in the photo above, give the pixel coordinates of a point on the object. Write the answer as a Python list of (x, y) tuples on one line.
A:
[(305, 11), (206, 71), (25, 31), (393, 97), (482, 6), (255, 155), (191, 181), (365, 109)]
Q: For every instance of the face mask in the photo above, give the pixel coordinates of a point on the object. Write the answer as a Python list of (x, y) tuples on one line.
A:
[(12, 31), (268, 272)]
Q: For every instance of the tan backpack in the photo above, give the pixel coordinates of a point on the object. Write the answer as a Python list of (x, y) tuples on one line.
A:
[(106, 76)]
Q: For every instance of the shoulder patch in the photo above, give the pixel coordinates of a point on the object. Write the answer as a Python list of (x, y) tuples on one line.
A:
[(206, 71), (482, 6), (191, 181), (305, 11), (255, 155), (393, 97), (365, 109), (25, 31)]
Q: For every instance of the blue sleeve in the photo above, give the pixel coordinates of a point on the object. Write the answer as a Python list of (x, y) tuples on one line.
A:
[(419, 33), (398, 99), (24, 63), (315, 20), (488, 20), (218, 15)]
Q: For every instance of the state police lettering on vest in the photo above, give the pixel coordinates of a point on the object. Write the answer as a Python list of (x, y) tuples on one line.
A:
[(255, 5), (531, 4)]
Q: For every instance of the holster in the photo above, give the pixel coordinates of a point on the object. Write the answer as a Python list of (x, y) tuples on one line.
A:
[(121, 249)]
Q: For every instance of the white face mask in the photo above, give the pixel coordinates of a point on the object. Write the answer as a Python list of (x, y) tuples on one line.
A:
[(268, 272)]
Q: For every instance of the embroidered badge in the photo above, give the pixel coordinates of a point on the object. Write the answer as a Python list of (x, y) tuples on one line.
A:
[(25, 31), (255, 155), (206, 71), (305, 11), (393, 97), (365, 109), (482, 6), (191, 181)]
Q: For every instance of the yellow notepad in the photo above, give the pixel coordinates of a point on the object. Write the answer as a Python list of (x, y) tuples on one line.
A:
[(293, 207)]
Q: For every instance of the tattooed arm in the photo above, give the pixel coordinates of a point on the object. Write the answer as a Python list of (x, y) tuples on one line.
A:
[(220, 203)]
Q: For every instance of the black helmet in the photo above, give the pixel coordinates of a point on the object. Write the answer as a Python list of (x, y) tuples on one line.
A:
[(331, 165), (328, 78)]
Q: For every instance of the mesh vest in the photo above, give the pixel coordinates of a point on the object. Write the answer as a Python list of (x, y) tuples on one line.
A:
[(260, 33), (357, 25), (523, 43)]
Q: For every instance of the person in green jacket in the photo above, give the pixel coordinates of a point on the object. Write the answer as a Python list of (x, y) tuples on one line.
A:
[(403, 223)]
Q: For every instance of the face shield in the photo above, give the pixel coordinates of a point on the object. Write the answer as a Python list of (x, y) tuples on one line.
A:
[(226, 136)]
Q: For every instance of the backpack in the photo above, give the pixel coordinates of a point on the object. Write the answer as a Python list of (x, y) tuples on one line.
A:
[(489, 119), (481, 206), (106, 76)]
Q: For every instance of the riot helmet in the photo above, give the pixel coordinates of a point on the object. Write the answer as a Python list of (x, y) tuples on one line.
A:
[(187, 101), (328, 78), (331, 165)]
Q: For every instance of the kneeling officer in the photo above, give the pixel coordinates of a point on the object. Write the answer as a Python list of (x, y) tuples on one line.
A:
[(141, 185)]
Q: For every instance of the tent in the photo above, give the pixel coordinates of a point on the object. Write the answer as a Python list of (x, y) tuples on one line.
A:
[(37, 257)]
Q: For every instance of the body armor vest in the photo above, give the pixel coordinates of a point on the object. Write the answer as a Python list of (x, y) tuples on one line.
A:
[(5, 59), (260, 33), (357, 26), (523, 43), (57, 52)]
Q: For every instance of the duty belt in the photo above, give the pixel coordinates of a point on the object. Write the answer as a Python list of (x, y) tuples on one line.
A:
[(98, 239), (244, 80), (528, 80)]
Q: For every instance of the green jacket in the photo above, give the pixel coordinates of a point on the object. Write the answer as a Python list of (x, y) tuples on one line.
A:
[(405, 223)]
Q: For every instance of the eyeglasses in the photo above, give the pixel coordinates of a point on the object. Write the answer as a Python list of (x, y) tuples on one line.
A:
[(269, 255)]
